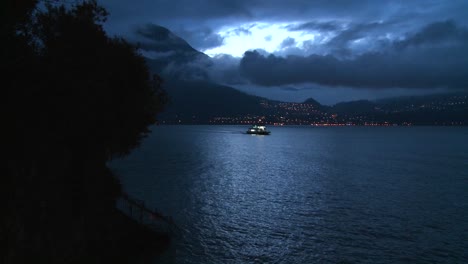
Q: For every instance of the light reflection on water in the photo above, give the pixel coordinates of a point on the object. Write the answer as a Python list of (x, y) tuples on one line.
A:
[(307, 195)]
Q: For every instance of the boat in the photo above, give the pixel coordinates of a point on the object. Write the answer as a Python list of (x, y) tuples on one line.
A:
[(258, 130)]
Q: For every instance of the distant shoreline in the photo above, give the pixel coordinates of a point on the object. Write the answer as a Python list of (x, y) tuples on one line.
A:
[(315, 125)]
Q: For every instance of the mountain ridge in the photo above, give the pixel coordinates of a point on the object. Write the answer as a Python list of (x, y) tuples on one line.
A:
[(197, 99)]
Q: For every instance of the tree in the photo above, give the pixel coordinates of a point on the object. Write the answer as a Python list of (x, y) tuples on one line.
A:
[(75, 98), (101, 85)]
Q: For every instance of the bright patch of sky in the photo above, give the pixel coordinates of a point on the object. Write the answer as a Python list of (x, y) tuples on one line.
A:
[(264, 36)]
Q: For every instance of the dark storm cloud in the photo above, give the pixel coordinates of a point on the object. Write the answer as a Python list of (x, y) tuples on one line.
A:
[(287, 42), (291, 89), (202, 38), (436, 33), (354, 32), (372, 33), (441, 62), (151, 37), (200, 20), (316, 26), (242, 31), (368, 43), (155, 38), (164, 10), (225, 70), (278, 10)]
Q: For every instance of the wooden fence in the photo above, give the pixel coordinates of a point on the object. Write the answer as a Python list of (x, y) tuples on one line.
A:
[(137, 210)]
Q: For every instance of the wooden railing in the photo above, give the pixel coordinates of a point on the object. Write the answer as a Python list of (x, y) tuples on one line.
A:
[(153, 219)]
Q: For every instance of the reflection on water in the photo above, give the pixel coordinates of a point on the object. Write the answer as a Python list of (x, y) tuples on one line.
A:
[(307, 195)]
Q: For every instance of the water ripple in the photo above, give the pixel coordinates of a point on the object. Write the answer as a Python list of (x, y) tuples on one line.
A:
[(307, 195)]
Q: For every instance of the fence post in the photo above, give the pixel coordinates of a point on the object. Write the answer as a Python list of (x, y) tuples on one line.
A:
[(141, 215), (154, 217)]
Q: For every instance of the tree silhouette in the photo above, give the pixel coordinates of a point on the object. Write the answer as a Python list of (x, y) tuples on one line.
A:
[(74, 98)]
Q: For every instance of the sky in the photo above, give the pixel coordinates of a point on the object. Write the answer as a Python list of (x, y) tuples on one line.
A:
[(332, 50)]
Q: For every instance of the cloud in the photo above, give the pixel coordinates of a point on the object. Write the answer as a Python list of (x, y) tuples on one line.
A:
[(365, 22), (287, 42), (328, 14), (358, 38), (315, 26), (242, 30), (154, 38), (170, 55), (444, 32), (353, 44), (201, 38), (290, 88), (407, 63), (225, 70)]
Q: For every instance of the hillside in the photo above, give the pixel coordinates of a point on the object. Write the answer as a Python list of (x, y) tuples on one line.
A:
[(196, 99), (200, 101), (173, 57), (438, 109)]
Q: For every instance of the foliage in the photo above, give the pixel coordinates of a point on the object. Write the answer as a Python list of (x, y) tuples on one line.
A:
[(98, 89), (73, 98)]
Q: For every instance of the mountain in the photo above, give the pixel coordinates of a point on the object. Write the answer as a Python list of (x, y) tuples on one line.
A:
[(171, 56), (438, 109), (162, 39), (193, 97), (312, 101), (202, 101), (196, 99), (353, 107)]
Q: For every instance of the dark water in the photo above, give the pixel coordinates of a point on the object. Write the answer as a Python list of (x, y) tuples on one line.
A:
[(307, 194)]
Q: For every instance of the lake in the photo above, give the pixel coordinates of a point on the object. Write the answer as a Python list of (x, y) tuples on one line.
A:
[(306, 194)]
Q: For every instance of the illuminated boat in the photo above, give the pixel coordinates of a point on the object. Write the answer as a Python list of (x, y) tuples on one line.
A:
[(258, 130)]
